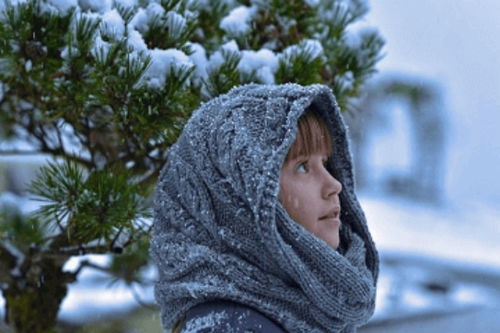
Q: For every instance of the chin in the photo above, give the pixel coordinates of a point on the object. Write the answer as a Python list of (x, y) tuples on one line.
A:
[(334, 243)]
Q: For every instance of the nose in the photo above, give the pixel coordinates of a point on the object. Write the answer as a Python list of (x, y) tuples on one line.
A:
[(331, 186)]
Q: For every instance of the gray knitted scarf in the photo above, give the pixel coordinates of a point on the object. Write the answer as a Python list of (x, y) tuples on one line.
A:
[(221, 233)]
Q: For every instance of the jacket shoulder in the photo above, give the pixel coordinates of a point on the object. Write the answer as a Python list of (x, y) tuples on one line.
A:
[(227, 316)]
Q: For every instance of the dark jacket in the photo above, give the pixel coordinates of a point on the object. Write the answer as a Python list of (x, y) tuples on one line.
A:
[(226, 316)]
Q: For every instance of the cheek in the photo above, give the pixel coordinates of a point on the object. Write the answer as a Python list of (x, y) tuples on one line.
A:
[(295, 203), (287, 196), (291, 202), (293, 206)]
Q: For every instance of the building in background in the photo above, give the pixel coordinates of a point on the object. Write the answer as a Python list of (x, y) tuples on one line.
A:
[(410, 113)]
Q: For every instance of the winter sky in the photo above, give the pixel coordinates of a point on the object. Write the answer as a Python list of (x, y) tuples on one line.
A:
[(457, 44)]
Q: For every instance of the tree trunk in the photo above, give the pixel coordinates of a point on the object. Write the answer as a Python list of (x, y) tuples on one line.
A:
[(33, 302)]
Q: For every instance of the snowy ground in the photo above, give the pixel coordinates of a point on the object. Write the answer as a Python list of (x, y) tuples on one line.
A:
[(96, 296), (435, 260)]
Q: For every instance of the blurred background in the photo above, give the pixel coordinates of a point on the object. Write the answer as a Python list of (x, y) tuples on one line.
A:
[(427, 159), (427, 149)]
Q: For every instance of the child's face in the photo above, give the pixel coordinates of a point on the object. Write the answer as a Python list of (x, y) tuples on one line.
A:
[(310, 195)]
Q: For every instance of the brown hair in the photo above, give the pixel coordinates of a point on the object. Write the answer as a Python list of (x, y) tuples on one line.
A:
[(312, 136)]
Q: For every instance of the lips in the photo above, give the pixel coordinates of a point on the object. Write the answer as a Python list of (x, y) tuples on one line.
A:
[(331, 214)]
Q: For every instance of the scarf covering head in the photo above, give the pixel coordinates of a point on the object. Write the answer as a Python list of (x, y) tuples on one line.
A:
[(221, 233)]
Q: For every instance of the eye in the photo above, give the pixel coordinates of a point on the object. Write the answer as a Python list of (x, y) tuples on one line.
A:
[(302, 167)]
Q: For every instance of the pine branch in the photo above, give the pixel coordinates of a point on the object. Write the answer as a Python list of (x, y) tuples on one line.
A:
[(87, 263), (77, 250)]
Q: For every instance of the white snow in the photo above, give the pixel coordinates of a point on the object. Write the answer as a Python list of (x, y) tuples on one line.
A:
[(136, 41), (88, 15), (264, 62), (216, 59), (91, 16), (66, 51), (126, 3), (154, 9), (28, 65), (100, 46), (312, 3), (113, 24), (231, 46), (402, 290), (162, 63), (311, 47), (346, 80), (12, 2), (100, 6), (142, 17), (199, 59), (176, 24), (351, 5), (140, 20), (91, 303), (58, 6), (199, 324), (237, 21), (92, 298), (206, 3)]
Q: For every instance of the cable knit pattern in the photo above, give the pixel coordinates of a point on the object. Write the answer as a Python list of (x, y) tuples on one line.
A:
[(221, 233)]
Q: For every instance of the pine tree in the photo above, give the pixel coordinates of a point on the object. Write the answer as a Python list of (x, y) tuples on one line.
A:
[(104, 88)]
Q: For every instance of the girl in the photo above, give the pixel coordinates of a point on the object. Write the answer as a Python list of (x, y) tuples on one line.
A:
[(257, 226)]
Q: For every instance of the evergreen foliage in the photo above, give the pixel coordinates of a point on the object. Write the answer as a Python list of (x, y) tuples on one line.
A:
[(104, 87)]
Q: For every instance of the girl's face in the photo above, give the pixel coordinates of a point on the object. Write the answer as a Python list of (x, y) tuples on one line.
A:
[(310, 195)]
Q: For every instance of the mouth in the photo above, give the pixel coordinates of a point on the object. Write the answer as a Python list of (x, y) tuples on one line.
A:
[(333, 214)]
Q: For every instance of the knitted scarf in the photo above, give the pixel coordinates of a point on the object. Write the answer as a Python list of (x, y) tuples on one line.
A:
[(221, 233)]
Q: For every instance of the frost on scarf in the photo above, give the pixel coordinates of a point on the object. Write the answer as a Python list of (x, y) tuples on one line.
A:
[(208, 321)]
